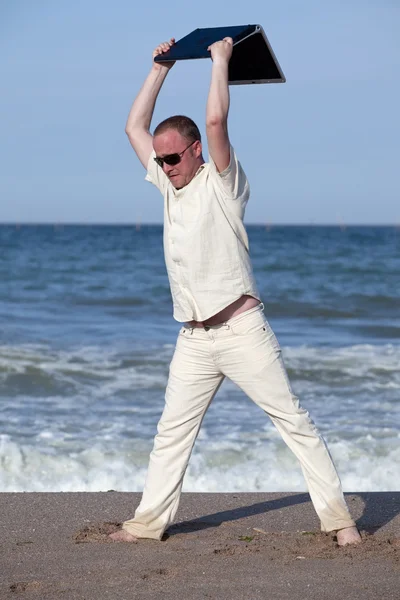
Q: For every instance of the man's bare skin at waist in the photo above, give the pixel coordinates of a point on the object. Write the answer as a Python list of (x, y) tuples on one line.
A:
[(236, 308)]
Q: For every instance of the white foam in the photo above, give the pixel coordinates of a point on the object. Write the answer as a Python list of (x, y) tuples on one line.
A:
[(358, 361), (224, 466), (351, 392), (89, 368), (100, 371)]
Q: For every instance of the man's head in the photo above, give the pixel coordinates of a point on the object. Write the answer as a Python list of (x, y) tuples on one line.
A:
[(178, 140)]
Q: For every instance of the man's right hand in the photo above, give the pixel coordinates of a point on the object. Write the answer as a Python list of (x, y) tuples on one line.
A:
[(161, 48)]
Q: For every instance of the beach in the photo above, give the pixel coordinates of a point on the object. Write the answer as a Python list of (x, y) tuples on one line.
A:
[(222, 546)]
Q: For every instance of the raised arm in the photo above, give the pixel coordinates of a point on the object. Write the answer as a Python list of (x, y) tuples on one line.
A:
[(139, 119), (218, 104)]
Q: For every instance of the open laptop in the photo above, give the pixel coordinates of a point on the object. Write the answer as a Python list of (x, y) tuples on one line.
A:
[(252, 61)]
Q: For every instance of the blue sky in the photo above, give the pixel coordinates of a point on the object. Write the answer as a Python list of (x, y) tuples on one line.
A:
[(321, 148)]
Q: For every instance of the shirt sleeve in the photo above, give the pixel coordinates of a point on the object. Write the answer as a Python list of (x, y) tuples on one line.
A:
[(233, 179), (156, 175)]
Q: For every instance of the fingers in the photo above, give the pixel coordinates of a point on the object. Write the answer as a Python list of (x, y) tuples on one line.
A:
[(163, 47), (221, 50), (227, 40)]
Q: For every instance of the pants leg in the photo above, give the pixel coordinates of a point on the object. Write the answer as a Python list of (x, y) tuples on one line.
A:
[(193, 382), (254, 362)]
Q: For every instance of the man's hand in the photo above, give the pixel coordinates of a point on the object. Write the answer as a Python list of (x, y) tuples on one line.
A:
[(221, 51), (161, 48)]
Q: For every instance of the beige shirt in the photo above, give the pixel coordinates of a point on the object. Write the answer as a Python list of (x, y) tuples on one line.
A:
[(205, 242)]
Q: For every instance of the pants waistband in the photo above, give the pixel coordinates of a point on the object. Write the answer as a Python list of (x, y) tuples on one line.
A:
[(236, 318)]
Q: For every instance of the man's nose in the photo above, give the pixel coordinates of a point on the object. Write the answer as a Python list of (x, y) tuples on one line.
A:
[(167, 168)]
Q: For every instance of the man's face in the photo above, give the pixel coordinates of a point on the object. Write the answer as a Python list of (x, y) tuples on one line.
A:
[(172, 142)]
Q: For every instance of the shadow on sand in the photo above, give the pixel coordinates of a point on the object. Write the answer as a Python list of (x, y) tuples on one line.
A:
[(379, 508)]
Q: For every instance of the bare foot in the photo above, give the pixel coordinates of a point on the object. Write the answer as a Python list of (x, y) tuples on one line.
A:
[(349, 535), (122, 536)]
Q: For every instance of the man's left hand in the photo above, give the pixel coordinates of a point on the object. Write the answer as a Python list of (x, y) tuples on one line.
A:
[(221, 51)]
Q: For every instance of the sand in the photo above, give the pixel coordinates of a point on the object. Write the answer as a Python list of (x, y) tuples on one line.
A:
[(223, 546)]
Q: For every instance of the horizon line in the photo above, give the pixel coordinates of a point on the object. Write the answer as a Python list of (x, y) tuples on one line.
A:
[(267, 224)]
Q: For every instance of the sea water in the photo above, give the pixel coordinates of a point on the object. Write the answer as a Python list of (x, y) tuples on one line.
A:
[(87, 335)]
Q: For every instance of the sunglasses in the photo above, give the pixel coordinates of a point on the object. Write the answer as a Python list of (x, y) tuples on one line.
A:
[(172, 159)]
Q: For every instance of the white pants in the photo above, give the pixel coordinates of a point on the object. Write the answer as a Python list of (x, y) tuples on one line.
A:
[(246, 350)]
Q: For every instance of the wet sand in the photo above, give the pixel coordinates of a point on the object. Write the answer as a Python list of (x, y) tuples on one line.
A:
[(223, 546)]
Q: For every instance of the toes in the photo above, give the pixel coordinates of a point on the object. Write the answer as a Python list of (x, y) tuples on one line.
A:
[(348, 536), (122, 536)]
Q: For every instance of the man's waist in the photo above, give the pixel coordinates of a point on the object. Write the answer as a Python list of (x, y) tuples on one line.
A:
[(240, 305)]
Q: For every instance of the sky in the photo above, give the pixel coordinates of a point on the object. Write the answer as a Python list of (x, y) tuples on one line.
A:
[(322, 148)]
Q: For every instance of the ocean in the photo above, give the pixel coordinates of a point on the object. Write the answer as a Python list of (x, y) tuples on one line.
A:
[(87, 334)]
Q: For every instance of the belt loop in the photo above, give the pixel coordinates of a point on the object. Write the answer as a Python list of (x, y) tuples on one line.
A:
[(191, 330)]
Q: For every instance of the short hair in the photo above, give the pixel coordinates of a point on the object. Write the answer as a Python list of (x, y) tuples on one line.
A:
[(183, 125)]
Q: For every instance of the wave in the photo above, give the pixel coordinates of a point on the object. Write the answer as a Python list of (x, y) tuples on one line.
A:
[(39, 370), (266, 465), (33, 368)]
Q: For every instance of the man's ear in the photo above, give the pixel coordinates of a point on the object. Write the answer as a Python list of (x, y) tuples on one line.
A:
[(199, 148)]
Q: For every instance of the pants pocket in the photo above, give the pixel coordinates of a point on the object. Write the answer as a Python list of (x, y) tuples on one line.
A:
[(250, 324)]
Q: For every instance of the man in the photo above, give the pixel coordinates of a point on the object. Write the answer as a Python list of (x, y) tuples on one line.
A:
[(224, 332)]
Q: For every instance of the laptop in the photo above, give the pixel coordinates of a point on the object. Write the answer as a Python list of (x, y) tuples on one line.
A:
[(252, 61)]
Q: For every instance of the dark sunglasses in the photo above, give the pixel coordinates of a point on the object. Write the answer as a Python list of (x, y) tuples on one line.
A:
[(172, 159)]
